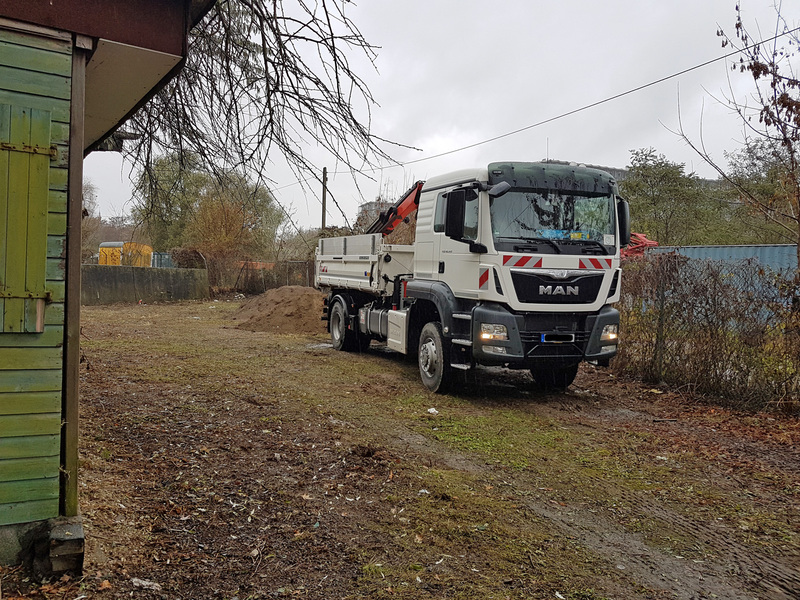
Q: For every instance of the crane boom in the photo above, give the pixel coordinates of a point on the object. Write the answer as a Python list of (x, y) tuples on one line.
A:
[(389, 219)]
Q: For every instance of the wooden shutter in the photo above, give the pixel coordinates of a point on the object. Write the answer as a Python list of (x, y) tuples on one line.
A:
[(25, 155)]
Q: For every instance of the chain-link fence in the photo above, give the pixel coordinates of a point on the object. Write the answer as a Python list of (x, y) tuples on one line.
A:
[(711, 327), (727, 329), (257, 278)]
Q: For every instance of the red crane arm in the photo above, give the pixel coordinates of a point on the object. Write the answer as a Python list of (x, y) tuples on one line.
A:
[(389, 219)]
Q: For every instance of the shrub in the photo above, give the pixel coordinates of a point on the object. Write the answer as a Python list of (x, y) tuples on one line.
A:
[(713, 327)]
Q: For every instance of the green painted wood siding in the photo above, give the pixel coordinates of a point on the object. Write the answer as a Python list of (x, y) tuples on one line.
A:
[(35, 88)]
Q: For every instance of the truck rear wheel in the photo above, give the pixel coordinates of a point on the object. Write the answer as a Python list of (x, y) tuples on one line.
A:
[(554, 378), (342, 338), (434, 358)]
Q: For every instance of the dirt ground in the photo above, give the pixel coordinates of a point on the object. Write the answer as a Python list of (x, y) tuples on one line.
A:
[(230, 452)]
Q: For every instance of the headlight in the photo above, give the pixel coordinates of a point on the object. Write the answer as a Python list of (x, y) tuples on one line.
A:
[(610, 334), (493, 331)]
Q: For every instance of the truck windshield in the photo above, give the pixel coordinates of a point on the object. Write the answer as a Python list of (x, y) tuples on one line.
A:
[(554, 221)]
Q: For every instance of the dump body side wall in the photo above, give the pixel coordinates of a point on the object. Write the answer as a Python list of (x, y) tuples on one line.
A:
[(361, 263)]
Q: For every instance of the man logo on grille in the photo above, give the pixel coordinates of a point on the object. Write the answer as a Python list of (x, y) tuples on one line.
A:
[(559, 290)]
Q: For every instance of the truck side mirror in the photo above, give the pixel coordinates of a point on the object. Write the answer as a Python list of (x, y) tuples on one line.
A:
[(454, 217), (624, 218), (499, 189)]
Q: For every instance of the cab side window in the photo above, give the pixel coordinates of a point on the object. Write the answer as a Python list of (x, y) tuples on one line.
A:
[(471, 219), (470, 216), (439, 215)]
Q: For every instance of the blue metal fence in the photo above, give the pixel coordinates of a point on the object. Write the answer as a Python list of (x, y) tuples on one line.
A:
[(778, 257)]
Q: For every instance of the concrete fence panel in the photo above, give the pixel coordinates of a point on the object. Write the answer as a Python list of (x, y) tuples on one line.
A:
[(101, 284)]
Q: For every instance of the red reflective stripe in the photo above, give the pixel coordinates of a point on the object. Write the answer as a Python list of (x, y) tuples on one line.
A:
[(484, 279), (604, 263), (523, 260)]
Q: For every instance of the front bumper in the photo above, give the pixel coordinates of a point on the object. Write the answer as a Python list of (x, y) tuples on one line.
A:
[(537, 338)]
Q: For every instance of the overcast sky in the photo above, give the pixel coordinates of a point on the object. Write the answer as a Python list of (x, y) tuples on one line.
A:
[(453, 73)]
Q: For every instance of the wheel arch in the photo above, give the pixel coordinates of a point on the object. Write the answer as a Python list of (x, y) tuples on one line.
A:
[(434, 301), (351, 301)]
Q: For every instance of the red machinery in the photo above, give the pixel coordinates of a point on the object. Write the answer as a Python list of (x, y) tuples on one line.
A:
[(391, 218), (639, 243)]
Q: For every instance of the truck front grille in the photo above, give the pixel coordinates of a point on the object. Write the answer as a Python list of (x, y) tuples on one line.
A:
[(548, 337), (542, 289)]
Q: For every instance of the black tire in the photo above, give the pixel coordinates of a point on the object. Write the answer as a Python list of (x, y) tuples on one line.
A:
[(554, 378), (433, 357), (342, 338)]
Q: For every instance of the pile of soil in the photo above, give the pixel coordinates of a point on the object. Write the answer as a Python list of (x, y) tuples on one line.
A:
[(289, 309)]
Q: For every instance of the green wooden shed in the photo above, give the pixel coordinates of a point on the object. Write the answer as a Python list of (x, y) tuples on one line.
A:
[(70, 74)]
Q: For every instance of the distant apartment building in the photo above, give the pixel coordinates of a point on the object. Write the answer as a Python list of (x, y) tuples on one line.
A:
[(369, 211)]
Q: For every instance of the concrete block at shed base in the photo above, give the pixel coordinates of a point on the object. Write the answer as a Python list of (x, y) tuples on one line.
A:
[(48, 548), (66, 547)]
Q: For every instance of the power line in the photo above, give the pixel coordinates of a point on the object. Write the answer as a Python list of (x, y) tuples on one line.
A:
[(599, 102), (564, 114)]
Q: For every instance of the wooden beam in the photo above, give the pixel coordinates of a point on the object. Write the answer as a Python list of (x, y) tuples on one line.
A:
[(72, 316)]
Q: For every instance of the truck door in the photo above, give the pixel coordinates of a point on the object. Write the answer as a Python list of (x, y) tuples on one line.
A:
[(458, 266), (426, 246)]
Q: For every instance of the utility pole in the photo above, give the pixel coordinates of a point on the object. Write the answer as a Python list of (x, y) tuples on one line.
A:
[(324, 193)]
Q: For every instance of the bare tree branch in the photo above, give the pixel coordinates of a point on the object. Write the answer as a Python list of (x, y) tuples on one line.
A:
[(262, 79), (766, 171)]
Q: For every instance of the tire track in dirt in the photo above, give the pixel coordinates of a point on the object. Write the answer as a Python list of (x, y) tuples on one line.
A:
[(733, 570), (737, 573), (781, 580)]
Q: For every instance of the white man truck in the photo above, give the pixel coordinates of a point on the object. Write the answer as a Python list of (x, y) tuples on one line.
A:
[(516, 264)]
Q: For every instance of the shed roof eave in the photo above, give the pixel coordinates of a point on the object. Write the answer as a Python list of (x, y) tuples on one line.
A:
[(165, 68)]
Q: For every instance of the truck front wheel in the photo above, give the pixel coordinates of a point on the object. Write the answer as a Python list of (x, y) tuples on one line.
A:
[(434, 358), (342, 338), (554, 378)]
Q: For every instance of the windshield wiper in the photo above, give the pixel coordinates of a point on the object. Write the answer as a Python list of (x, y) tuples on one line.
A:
[(592, 243), (537, 241)]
